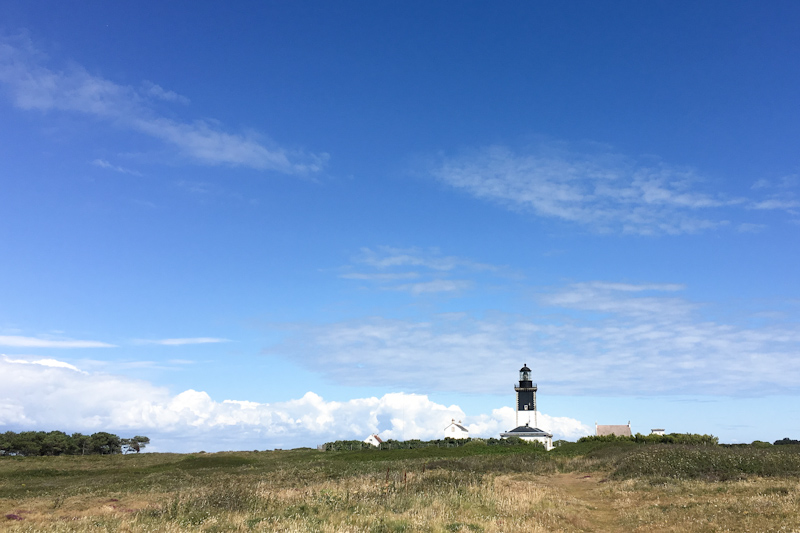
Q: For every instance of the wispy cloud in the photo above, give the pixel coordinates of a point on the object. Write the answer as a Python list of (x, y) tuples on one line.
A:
[(600, 189), (783, 203), (210, 192), (53, 363), (380, 276), (156, 91), (434, 270), (17, 341), (92, 402), (747, 227), (182, 341), (439, 285), (102, 163), (780, 195), (35, 86), (585, 338), (620, 298), (430, 258)]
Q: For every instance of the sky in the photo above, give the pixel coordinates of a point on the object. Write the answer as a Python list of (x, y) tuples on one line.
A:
[(284, 223)]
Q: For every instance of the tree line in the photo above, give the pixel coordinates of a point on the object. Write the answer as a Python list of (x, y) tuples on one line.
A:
[(32, 443)]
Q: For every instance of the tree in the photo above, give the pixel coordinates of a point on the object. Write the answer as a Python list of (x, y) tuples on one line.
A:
[(55, 443), (135, 444), (7, 443), (105, 443), (81, 443), (28, 443)]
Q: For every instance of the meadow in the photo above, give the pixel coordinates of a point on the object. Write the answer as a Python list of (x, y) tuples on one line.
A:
[(476, 488)]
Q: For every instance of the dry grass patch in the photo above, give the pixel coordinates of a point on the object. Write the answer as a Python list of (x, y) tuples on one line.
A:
[(373, 493), (756, 504)]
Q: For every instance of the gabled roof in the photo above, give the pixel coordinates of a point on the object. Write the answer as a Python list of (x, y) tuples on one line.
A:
[(377, 438), (459, 426), (526, 431), (619, 430)]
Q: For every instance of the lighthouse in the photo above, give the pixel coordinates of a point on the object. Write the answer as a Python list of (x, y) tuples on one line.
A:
[(526, 418), (526, 398)]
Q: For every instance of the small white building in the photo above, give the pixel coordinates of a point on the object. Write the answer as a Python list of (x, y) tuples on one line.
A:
[(373, 440), (658, 431), (531, 435), (456, 431)]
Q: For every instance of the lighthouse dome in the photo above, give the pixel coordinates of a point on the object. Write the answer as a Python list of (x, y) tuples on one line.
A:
[(524, 375)]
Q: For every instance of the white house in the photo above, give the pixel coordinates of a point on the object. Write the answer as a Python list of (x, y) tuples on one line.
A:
[(657, 431), (374, 440), (531, 435), (456, 430)]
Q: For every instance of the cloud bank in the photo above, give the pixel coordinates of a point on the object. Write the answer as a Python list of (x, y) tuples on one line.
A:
[(32, 85), (49, 394), (595, 338)]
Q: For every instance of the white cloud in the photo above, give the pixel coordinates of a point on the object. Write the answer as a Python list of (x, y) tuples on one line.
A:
[(503, 419), (432, 268), (34, 86), (584, 339), (632, 287), (380, 276), (206, 143), (181, 342), (35, 342), (747, 227), (43, 362), (41, 396), (776, 203), (431, 258), (606, 191), (181, 362), (439, 285), (156, 91), (102, 163), (604, 297)]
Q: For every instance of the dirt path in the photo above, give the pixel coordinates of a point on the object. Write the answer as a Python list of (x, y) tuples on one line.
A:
[(585, 492)]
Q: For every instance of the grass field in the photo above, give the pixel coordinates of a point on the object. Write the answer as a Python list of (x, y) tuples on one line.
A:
[(577, 487)]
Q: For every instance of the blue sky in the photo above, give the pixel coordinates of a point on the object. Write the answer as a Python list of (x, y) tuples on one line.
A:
[(287, 223)]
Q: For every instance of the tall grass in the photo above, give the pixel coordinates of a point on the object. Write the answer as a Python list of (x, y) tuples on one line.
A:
[(704, 462), (457, 489)]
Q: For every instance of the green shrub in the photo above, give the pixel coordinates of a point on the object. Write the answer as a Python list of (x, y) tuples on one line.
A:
[(711, 463)]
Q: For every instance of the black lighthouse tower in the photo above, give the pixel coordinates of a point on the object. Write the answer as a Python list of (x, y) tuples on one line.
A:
[(527, 425), (526, 397)]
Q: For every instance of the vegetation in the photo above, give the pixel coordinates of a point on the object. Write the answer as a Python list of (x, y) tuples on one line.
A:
[(414, 444), (29, 443), (672, 438), (590, 485)]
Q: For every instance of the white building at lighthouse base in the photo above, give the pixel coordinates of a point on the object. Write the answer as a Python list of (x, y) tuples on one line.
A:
[(531, 434)]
